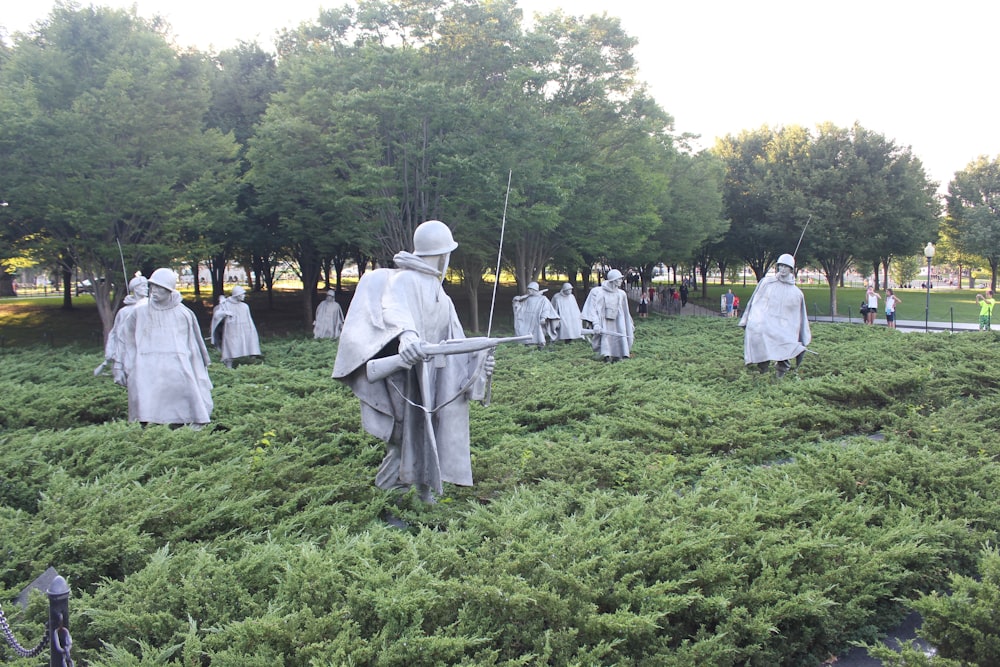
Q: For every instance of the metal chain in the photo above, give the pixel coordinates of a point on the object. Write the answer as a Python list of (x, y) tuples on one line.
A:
[(20, 650), (62, 643)]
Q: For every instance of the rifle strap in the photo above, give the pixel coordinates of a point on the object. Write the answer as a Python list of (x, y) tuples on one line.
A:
[(465, 387)]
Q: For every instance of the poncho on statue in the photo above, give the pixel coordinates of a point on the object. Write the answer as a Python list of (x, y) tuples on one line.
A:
[(329, 318), (570, 325), (166, 362), (775, 318), (534, 316), (422, 413), (606, 308), (114, 347), (233, 330)]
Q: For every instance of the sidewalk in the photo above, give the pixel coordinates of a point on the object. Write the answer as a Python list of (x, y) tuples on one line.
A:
[(693, 309), (909, 325)]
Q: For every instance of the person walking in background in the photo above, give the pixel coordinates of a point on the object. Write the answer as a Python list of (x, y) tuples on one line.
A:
[(684, 293), (871, 298), (728, 301), (736, 305), (643, 308), (891, 301), (986, 304)]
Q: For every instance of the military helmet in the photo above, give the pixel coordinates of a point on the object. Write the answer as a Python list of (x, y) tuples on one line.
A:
[(164, 278), (136, 283), (432, 238)]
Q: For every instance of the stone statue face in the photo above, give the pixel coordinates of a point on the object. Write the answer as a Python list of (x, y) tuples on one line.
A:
[(142, 290), (439, 262), (784, 270), (159, 295)]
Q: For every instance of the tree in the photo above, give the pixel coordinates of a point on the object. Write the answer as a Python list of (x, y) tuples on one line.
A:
[(694, 217), (314, 160), (862, 193), (242, 81), (973, 206), (111, 139), (759, 165), (862, 197), (905, 269)]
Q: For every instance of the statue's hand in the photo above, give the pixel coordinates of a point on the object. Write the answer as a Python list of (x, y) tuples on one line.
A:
[(410, 348)]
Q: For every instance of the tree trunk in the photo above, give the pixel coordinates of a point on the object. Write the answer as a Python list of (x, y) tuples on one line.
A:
[(472, 290), (6, 284), (310, 276), (68, 286)]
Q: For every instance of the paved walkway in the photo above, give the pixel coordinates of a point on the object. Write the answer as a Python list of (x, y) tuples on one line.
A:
[(693, 309)]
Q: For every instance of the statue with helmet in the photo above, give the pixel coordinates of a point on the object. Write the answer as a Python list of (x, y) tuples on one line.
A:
[(570, 324), (114, 347), (233, 331), (166, 361), (534, 316), (329, 318), (606, 308), (775, 321), (404, 354)]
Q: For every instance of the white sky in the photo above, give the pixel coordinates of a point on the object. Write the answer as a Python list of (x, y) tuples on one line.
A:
[(922, 73)]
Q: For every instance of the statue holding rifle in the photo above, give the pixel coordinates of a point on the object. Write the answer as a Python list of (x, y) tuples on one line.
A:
[(403, 353)]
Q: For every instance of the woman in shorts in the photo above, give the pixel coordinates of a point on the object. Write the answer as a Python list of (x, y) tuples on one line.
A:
[(891, 300)]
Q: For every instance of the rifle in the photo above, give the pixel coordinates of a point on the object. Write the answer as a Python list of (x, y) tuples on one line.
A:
[(380, 369), (591, 332)]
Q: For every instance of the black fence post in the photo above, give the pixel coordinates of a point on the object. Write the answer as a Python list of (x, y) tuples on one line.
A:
[(60, 642), (952, 309)]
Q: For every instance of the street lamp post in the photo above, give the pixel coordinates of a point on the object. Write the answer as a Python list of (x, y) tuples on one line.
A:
[(929, 254)]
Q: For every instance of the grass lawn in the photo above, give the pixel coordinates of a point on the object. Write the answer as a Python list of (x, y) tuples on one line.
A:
[(674, 509), (946, 305)]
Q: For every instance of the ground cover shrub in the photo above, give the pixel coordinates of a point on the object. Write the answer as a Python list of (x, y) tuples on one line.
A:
[(673, 509)]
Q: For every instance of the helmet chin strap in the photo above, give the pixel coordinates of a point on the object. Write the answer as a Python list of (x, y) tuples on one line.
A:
[(439, 262)]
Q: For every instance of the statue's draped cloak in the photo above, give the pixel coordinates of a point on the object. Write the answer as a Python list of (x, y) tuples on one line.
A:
[(607, 307), (422, 413), (776, 322), (570, 320), (233, 330), (166, 363), (534, 316), (114, 346), (329, 319)]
